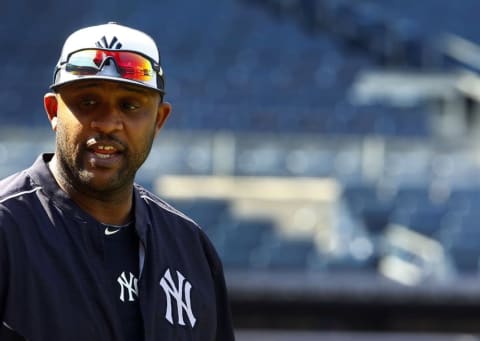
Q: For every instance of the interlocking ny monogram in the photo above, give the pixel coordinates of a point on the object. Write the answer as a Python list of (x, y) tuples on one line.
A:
[(181, 294), (131, 285), (103, 44)]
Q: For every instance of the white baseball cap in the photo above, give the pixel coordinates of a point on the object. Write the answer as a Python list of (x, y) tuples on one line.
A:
[(110, 38)]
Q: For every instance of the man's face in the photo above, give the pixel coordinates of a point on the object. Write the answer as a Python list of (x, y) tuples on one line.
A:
[(104, 133)]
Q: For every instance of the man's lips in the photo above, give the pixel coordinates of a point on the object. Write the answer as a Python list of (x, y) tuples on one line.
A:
[(104, 149), (104, 146)]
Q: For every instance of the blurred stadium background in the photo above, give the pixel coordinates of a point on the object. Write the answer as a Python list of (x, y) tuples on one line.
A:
[(328, 147)]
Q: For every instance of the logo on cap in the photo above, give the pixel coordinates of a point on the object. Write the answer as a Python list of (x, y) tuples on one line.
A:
[(104, 44)]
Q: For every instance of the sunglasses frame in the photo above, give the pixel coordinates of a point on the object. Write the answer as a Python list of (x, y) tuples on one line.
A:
[(155, 66)]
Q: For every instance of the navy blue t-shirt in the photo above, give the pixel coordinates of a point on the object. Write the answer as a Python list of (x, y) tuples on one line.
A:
[(121, 266)]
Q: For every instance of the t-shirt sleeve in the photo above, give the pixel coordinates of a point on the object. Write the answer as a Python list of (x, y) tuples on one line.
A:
[(225, 330), (7, 333)]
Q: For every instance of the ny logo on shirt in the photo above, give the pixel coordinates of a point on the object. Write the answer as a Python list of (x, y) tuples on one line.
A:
[(130, 285), (181, 294)]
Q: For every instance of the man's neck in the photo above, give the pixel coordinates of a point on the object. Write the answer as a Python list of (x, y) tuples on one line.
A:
[(113, 209)]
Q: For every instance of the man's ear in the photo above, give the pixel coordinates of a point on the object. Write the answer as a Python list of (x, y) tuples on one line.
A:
[(50, 104), (164, 110)]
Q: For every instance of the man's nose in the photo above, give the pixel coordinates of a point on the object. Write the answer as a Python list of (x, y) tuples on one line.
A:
[(107, 120)]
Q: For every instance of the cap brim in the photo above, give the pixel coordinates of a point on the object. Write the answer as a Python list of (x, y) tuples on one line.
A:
[(56, 86)]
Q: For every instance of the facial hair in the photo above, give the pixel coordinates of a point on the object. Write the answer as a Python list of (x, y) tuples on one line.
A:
[(73, 173)]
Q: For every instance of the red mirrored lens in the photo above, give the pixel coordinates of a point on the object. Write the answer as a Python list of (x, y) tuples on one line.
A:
[(129, 64)]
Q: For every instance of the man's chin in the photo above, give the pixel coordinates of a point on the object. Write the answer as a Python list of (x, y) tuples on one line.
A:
[(102, 183)]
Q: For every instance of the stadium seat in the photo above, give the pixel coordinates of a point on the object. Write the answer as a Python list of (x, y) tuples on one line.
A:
[(241, 238), (285, 254)]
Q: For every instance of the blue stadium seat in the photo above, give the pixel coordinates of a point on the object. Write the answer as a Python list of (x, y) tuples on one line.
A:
[(241, 238), (285, 254), (345, 263), (370, 205), (462, 247), (427, 222)]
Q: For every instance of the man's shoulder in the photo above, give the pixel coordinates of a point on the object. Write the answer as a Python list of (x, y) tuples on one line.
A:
[(16, 185), (162, 206)]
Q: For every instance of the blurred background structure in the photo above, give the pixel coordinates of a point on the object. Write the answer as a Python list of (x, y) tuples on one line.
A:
[(330, 149)]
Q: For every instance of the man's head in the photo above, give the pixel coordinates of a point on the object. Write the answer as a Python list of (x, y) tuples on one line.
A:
[(106, 108)]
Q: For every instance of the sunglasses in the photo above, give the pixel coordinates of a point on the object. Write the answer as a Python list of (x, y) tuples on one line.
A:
[(130, 65)]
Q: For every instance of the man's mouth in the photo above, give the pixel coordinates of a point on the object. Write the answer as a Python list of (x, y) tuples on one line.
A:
[(102, 151)]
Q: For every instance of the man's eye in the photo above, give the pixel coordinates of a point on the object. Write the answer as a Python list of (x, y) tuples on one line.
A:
[(87, 103), (130, 106)]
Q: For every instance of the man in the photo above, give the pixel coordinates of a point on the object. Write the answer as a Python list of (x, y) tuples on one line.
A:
[(86, 254)]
